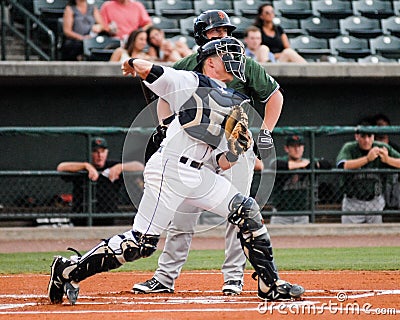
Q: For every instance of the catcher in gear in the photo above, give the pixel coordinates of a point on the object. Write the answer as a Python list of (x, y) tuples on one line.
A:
[(182, 152)]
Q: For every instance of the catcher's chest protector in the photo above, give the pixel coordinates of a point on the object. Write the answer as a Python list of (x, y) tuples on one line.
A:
[(203, 115)]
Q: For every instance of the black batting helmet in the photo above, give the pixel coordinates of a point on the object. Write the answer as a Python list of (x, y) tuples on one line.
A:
[(231, 52), (208, 20)]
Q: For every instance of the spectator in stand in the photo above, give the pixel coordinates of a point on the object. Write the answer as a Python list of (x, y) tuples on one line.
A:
[(121, 17), (162, 49), (108, 176), (364, 191), (133, 48), (254, 48), (80, 21), (382, 120), (274, 37), (292, 192)]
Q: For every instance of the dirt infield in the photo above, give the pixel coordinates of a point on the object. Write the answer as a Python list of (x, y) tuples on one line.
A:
[(329, 295)]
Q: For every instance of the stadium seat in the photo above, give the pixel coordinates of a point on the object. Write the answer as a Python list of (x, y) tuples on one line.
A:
[(349, 47), (170, 26), (337, 59), (241, 24), (299, 9), (186, 25), (387, 46), (175, 9), (360, 27), (396, 8), (97, 3), (290, 26), (49, 7), (391, 26), (309, 47), (191, 43), (149, 5), (204, 5), (247, 8), (375, 59), (320, 27), (99, 48), (373, 9), (332, 9)]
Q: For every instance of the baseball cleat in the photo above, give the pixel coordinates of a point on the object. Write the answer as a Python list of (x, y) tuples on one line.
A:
[(72, 292), (280, 290), (151, 286), (232, 287), (56, 283)]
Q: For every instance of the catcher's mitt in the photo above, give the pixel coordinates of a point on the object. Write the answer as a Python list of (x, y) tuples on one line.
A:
[(236, 131)]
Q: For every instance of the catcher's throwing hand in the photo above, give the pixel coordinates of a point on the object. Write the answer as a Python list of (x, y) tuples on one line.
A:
[(237, 133), (135, 67)]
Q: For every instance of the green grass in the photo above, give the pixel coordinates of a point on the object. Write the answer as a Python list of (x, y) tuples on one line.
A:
[(368, 258)]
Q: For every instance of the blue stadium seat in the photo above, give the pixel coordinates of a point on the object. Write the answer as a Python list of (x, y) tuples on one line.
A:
[(247, 8), (170, 26), (290, 26), (387, 46), (204, 5), (391, 26), (349, 47), (320, 27), (309, 47), (373, 9), (299, 9), (176, 9), (360, 27), (100, 48), (332, 9)]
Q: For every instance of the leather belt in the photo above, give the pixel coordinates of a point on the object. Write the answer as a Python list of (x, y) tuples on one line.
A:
[(193, 164)]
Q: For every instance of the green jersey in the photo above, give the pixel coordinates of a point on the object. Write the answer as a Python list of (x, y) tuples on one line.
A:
[(259, 86), (364, 186)]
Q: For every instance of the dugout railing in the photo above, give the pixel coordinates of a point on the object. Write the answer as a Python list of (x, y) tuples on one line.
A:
[(44, 196)]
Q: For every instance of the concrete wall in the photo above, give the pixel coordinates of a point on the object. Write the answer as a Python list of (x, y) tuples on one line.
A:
[(96, 94)]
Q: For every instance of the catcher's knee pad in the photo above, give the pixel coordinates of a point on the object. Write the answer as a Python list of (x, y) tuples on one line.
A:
[(258, 251), (245, 213)]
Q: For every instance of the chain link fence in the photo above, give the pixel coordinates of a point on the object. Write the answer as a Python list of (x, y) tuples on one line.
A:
[(54, 198)]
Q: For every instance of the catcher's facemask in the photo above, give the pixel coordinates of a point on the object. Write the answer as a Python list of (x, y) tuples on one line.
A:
[(232, 54)]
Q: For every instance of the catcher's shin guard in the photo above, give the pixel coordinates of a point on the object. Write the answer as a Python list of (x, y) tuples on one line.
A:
[(103, 258), (254, 237)]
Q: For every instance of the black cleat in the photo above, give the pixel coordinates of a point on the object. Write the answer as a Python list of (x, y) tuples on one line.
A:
[(280, 290), (232, 288), (151, 286)]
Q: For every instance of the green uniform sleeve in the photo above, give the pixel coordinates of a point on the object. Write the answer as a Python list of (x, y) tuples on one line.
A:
[(344, 153), (186, 63), (259, 84)]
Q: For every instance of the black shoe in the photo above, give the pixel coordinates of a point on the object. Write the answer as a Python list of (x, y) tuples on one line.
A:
[(280, 290), (232, 287), (151, 286), (58, 285)]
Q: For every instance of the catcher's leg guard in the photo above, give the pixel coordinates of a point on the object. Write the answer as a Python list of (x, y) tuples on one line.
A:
[(103, 258), (254, 237)]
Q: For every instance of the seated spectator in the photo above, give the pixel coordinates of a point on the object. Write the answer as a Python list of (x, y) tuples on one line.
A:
[(162, 49), (254, 48), (121, 17), (80, 21), (133, 48), (274, 37), (108, 176), (362, 191), (292, 192)]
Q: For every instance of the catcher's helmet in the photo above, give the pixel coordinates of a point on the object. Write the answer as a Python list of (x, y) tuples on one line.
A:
[(231, 52), (208, 20)]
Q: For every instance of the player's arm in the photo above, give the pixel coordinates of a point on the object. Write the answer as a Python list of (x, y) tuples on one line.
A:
[(79, 166), (273, 109), (116, 170)]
